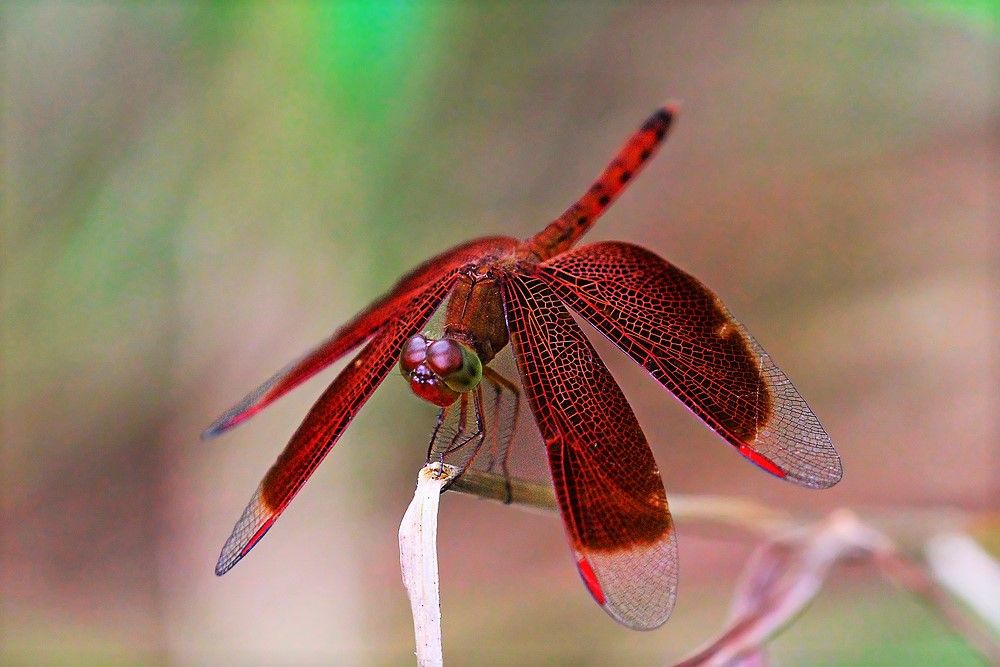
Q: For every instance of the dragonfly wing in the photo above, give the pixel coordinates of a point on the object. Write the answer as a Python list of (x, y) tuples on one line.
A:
[(680, 331), (355, 332), (608, 486), (326, 421)]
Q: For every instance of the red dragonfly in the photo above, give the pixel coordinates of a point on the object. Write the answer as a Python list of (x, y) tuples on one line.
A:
[(503, 291)]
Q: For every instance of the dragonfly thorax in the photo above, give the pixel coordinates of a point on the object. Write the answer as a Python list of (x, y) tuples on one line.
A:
[(439, 371)]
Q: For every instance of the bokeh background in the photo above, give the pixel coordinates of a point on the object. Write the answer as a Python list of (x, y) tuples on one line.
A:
[(193, 194)]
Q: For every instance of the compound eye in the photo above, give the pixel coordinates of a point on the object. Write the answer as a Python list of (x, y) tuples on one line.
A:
[(444, 357), (457, 364), (414, 353), (432, 388)]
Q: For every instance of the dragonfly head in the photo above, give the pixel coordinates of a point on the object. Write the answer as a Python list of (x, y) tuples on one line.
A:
[(439, 371)]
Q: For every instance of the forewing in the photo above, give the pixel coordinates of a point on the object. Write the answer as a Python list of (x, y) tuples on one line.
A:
[(326, 422), (608, 486), (685, 337), (358, 330)]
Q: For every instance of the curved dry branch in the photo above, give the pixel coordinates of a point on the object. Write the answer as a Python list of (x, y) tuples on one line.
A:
[(785, 575), (782, 578)]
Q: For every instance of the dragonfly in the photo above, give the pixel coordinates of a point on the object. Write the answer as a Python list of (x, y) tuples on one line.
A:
[(499, 293)]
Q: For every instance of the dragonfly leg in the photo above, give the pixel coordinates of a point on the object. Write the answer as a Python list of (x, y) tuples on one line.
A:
[(463, 417), (480, 434), (503, 439), (496, 436), (442, 416), (478, 416), (463, 433)]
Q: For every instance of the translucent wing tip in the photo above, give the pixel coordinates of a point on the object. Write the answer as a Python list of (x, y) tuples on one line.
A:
[(256, 520), (820, 473), (826, 472), (239, 413), (794, 446), (220, 426), (636, 586)]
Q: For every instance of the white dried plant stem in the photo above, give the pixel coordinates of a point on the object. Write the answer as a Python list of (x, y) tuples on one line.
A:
[(419, 564), (968, 571)]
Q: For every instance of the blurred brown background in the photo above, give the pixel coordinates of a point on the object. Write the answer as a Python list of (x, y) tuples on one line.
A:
[(195, 194)]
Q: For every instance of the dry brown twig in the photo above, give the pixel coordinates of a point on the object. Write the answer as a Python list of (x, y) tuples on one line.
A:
[(787, 573), (783, 576)]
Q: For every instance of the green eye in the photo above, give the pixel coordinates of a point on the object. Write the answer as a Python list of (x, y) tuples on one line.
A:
[(467, 377), (455, 363)]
